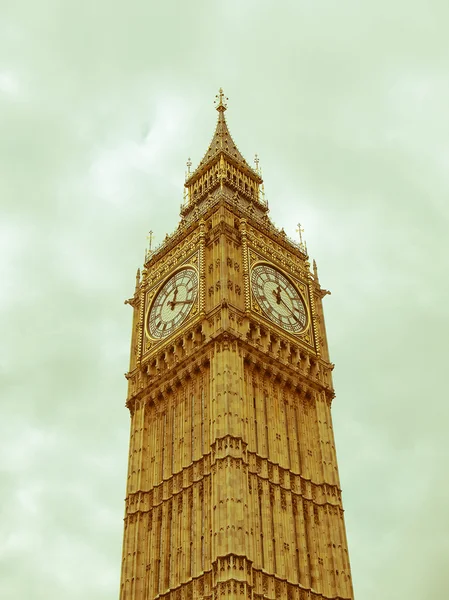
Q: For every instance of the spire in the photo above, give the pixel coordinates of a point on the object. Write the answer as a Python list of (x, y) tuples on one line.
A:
[(222, 142)]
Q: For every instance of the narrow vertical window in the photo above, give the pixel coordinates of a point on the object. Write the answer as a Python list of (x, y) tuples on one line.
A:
[(261, 529), (266, 423), (202, 532), (173, 438), (295, 422), (164, 442), (202, 420), (285, 405), (170, 542), (192, 536), (255, 424), (295, 534), (160, 551), (272, 507), (192, 427)]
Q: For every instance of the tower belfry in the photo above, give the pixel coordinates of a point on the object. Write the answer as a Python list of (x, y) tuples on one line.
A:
[(233, 489)]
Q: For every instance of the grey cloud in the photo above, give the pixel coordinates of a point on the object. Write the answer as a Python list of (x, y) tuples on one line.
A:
[(345, 105)]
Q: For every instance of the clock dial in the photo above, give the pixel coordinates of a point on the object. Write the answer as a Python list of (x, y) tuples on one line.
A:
[(278, 298), (173, 303)]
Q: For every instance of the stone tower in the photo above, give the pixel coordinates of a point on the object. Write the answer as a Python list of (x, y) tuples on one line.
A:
[(233, 487)]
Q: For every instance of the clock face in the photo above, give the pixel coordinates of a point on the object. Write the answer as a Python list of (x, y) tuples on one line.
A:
[(278, 298), (173, 303)]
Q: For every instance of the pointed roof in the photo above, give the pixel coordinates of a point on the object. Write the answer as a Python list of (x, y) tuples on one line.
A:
[(222, 142)]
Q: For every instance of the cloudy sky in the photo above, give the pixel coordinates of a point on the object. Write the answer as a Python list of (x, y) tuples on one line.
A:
[(101, 104)]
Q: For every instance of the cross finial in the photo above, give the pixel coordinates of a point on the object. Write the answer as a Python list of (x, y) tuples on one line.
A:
[(150, 239), (220, 100), (189, 164), (300, 230), (256, 162)]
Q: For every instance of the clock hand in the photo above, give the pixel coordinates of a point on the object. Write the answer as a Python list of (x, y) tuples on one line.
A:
[(277, 293), (172, 302), (298, 308), (182, 302), (291, 311)]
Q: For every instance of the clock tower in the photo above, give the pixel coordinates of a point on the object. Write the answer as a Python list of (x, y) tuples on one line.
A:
[(233, 489)]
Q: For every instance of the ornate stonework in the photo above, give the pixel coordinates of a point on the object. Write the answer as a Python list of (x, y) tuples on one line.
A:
[(233, 488)]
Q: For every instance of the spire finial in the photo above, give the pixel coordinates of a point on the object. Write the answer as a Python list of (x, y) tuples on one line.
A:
[(150, 240), (149, 250), (300, 230), (315, 270), (256, 162), (220, 100), (302, 243)]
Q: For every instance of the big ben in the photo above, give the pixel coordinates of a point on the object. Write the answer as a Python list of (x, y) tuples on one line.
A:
[(233, 489)]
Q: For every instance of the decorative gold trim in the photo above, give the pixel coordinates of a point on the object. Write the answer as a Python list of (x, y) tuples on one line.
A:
[(314, 320), (246, 268), (202, 268), (140, 326)]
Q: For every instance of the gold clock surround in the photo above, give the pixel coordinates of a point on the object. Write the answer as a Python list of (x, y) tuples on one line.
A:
[(158, 325), (293, 315)]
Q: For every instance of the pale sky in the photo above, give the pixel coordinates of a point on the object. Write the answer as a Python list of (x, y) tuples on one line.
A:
[(101, 104)]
